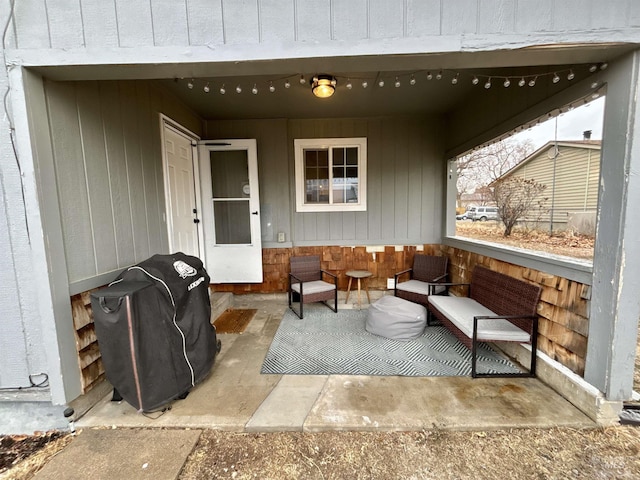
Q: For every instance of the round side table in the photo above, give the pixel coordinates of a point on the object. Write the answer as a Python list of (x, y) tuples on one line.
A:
[(360, 275)]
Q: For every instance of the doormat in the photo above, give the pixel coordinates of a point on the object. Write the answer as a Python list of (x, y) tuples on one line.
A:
[(328, 343), (234, 320)]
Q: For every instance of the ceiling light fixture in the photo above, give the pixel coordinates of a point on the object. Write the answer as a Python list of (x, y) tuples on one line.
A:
[(323, 86)]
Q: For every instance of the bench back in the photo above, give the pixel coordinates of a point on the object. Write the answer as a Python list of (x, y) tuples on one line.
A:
[(505, 295)]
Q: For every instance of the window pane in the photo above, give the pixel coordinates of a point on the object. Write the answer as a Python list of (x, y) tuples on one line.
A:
[(338, 156), (229, 173), (232, 221), (345, 190), (352, 155)]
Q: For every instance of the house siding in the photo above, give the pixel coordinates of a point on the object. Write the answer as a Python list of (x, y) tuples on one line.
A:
[(72, 24), (108, 166), (405, 196)]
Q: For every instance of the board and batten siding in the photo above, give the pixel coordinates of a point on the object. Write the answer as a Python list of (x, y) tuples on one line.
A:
[(404, 180), (140, 23), (108, 166), (576, 183)]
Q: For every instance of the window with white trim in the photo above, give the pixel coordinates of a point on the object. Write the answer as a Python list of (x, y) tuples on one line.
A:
[(331, 174)]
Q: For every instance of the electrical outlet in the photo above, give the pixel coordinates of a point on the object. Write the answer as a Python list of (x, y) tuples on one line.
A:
[(390, 283), (281, 237)]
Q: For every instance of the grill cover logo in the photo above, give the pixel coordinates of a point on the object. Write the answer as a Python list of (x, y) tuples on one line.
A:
[(184, 269)]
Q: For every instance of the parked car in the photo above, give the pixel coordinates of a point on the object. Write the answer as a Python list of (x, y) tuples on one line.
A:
[(462, 216), (482, 213)]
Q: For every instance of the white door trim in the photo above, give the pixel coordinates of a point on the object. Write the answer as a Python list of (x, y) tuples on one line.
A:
[(169, 123)]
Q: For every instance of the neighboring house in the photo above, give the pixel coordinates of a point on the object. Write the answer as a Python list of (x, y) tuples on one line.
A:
[(570, 170), (126, 123)]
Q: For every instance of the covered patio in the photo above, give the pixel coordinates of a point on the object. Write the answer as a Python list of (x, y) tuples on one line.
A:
[(90, 185), (236, 397)]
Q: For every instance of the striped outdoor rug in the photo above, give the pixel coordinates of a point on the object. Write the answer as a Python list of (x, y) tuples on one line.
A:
[(325, 343)]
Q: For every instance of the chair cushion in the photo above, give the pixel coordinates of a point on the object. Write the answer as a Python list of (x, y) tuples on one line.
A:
[(421, 288), (461, 310), (396, 318), (316, 286)]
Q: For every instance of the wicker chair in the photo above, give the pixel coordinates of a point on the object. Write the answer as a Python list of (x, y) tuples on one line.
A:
[(307, 284), (427, 272)]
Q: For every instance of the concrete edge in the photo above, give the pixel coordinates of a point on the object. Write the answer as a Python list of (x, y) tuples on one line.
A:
[(571, 386)]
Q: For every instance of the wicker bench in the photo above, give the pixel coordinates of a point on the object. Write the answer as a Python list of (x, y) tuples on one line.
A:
[(499, 308)]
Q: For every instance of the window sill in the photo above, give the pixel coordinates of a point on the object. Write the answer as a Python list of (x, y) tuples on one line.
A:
[(572, 269)]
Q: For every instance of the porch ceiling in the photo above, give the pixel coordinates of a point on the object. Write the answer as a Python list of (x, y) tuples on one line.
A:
[(426, 96)]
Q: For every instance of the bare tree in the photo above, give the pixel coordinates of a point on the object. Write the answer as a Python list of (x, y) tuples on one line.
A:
[(480, 168), (516, 198)]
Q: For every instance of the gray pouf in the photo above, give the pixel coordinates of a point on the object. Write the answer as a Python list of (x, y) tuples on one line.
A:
[(396, 318)]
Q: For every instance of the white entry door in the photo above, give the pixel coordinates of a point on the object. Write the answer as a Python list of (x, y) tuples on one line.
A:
[(231, 211), (182, 189)]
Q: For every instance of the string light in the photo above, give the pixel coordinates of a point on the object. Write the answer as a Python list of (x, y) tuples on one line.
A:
[(531, 80)]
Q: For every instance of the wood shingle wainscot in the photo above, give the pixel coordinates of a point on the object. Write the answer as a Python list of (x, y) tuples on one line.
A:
[(89, 358)]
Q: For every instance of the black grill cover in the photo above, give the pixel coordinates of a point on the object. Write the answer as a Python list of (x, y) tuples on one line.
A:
[(154, 331)]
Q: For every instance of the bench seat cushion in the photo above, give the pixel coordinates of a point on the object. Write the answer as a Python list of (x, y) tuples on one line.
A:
[(316, 286), (416, 286), (461, 310)]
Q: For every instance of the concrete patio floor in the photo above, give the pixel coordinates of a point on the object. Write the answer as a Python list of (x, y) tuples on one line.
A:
[(237, 397)]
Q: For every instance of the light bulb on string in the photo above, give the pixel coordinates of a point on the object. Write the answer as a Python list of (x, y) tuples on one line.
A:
[(238, 89), (254, 90), (349, 85), (190, 84), (488, 84), (223, 90), (603, 65), (439, 75), (412, 81), (287, 84), (381, 83), (454, 80), (556, 78), (397, 83), (475, 80), (365, 84), (507, 82), (532, 82), (594, 85), (271, 87), (593, 68), (302, 80), (521, 82), (429, 76), (206, 88), (571, 75)]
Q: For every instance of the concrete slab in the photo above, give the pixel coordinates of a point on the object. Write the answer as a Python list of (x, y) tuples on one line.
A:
[(288, 405), (109, 454), (360, 403)]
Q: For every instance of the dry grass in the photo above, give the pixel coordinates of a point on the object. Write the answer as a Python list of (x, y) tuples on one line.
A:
[(515, 454), (560, 243)]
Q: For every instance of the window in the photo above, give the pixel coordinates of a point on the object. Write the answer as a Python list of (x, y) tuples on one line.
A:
[(331, 174)]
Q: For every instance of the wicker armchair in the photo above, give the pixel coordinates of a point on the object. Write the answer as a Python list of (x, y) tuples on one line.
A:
[(427, 272), (307, 284)]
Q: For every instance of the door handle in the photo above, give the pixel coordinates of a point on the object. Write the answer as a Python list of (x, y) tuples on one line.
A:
[(254, 213), (196, 220)]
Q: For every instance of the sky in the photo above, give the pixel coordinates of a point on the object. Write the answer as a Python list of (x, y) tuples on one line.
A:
[(571, 125)]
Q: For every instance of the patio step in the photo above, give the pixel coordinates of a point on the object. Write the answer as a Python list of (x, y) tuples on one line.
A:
[(220, 301)]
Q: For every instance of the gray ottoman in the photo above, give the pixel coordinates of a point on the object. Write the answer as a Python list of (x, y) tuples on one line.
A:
[(396, 318)]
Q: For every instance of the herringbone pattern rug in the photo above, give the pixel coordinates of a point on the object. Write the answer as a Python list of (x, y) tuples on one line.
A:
[(325, 343)]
